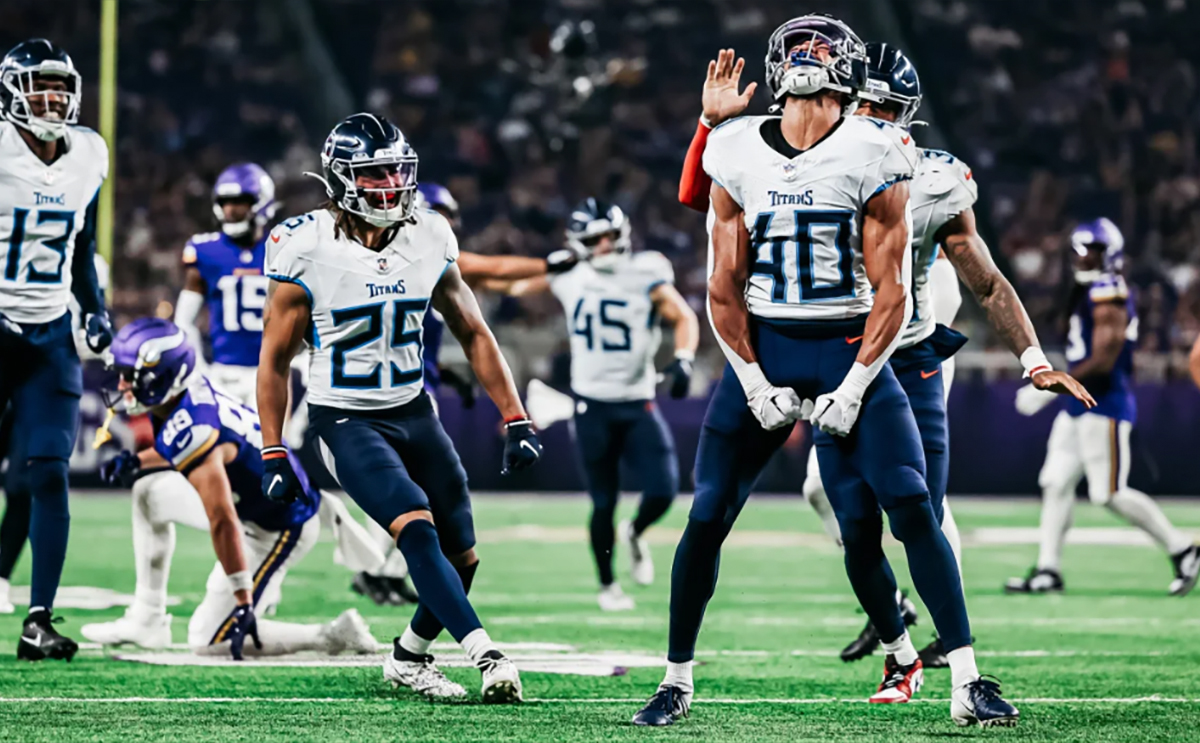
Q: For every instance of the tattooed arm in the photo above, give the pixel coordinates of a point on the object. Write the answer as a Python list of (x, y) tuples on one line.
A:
[(973, 261)]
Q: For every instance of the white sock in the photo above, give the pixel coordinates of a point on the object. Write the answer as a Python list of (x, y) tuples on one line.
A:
[(4, 588), (1058, 506), (1140, 510), (962, 666), (950, 529), (476, 644), (680, 675), (814, 493), (414, 643), (902, 648)]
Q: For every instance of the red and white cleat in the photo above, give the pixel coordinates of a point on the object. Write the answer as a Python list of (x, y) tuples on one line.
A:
[(900, 683)]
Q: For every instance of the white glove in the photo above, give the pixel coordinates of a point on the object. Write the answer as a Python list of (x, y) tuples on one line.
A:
[(773, 407), (1031, 400), (836, 412)]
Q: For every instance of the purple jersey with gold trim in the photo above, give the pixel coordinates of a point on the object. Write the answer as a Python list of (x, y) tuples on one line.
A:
[(1113, 391), (205, 417), (235, 292)]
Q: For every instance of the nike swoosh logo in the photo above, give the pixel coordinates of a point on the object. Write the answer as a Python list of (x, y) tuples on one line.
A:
[(36, 644), (343, 420), (278, 479), (531, 448), (855, 339), (275, 238), (927, 375), (906, 140)]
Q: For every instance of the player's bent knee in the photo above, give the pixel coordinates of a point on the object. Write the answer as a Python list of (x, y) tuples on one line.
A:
[(404, 519), (913, 519), (48, 481), (463, 559)]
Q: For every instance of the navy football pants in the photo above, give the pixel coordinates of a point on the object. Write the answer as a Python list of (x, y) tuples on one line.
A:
[(41, 380)]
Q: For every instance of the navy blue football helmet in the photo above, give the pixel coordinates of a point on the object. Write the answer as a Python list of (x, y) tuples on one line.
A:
[(370, 170), (591, 221), (813, 53), (892, 78), (40, 89)]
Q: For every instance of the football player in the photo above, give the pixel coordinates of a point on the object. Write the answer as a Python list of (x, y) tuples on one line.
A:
[(352, 281), (614, 302), (389, 584), (942, 195), (809, 296), (1093, 443), (51, 170), (214, 441)]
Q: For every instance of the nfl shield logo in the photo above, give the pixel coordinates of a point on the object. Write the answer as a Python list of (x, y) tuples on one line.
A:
[(789, 171), (382, 264)]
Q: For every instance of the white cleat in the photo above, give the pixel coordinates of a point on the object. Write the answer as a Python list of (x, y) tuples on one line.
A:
[(6, 606), (641, 564), (612, 598), (349, 633), (150, 632), (422, 676), (501, 682)]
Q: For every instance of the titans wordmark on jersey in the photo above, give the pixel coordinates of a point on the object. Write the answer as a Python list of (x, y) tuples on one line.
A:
[(235, 292), (365, 339), (941, 190), (42, 209), (613, 326), (804, 214)]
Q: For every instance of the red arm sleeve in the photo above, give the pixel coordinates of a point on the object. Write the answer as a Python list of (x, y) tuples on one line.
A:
[(695, 184)]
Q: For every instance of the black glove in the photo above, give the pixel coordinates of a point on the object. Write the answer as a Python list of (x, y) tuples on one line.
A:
[(279, 481), (9, 327), (244, 623), (522, 448), (121, 470), (99, 332), (679, 372), (464, 388), (561, 261)]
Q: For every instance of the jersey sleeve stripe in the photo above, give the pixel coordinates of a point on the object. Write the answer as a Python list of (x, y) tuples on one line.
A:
[(654, 285), (888, 184), (197, 452), (291, 280)]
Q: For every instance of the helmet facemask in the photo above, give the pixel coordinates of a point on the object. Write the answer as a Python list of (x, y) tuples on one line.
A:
[(381, 189), (808, 55), (878, 91), (149, 383), (46, 112), (587, 241)]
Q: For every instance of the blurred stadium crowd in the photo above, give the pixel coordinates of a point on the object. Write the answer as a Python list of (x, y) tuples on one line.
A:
[(1066, 109)]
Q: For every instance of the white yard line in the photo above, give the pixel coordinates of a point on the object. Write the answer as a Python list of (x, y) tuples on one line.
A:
[(1153, 699)]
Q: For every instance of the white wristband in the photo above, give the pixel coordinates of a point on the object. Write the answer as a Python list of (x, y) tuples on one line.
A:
[(706, 122), (1034, 361), (857, 380), (684, 354), (241, 581), (752, 378)]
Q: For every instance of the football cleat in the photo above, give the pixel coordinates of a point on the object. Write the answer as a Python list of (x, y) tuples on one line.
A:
[(933, 655), (899, 683), (152, 632), (1187, 569), (1039, 580), (979, 702), (349, 633), (501, 682), (417, 672), (612, 598), (39, 641), (641, 564), (375, 587), (868, 640), (402, 590), (668, 705)]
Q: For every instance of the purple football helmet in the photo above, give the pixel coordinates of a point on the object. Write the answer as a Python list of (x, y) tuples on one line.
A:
[(437, 197), (245, 181), (1099, 233), (155, 358)]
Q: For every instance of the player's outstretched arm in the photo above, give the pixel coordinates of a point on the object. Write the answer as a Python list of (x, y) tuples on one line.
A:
[(285, 319), (515, 288), (971, 258), (453, 298), (774, 407), (721, 102), (478, 269)]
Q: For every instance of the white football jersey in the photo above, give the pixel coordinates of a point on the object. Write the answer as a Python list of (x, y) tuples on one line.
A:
[(365, 341), (942, 189), (804, 214), (42, 209), (613, 326)]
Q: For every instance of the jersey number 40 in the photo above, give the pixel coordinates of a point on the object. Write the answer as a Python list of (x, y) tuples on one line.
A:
[(812, 264)]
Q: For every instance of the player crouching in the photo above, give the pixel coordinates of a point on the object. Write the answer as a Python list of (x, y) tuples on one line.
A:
[(215, 442)]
